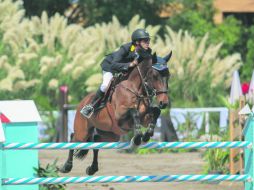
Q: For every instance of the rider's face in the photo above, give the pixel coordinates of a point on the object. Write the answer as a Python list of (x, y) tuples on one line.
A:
[(145, 43)]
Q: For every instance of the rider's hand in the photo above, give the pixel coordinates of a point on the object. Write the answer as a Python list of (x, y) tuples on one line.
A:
[(134, 63)]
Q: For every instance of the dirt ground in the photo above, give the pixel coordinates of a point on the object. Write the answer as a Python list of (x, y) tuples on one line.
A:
[(112, 162)]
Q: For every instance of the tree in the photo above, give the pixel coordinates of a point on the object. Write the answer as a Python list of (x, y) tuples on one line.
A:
[(98, 11), (247, 70), (35, 8), (230, 32), (197, 17)]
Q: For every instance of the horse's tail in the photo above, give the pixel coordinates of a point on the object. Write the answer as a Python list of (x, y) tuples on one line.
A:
[(81, 154)]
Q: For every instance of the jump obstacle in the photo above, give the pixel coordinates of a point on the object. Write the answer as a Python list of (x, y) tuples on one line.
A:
[(15, 182)]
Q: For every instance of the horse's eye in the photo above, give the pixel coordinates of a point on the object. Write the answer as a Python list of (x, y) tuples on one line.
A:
[(156, 76)]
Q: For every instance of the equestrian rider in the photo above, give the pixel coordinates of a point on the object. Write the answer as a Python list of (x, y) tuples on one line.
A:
[(119, 61)]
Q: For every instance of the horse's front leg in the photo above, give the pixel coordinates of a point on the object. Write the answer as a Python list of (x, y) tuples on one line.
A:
[(155, 113), (136, 140)]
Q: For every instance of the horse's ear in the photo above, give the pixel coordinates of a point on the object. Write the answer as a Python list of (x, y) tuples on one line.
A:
[(154, 58), (167, 57)]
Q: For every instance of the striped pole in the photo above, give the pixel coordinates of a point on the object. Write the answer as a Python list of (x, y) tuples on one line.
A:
[(248, 153), (123, 179), (127, 145)]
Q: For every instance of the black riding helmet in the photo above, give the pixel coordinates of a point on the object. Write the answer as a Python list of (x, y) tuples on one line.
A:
[(139, 34)]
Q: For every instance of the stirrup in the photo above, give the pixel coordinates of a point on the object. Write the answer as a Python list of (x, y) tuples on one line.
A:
[(85, 109)]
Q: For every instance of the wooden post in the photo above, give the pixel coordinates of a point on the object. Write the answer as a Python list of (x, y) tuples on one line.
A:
[(236, 124), (64, 114)]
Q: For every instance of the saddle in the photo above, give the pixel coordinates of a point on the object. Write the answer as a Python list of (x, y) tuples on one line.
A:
[(117, 78)]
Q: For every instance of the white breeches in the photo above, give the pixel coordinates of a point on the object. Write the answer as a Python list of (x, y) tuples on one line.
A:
[(106, 78)]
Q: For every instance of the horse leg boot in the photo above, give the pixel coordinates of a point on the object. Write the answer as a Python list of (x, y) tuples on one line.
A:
[(137, 128), (69, 163), (149, 133), (88, 110), (155, 111), (90, 170)]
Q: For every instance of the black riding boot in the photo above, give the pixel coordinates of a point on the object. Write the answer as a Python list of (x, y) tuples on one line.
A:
[(88, 110)]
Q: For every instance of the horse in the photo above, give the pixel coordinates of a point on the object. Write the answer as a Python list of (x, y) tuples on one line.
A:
[(128, 107)]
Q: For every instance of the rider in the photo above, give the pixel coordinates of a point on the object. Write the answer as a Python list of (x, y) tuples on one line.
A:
[(119, 61)]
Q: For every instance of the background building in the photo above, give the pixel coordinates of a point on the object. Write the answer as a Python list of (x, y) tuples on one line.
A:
[(243, 10)]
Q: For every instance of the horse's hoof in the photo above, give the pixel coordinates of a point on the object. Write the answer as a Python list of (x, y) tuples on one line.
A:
[(91, 170), (146, 137), (137, 139), (151, 134), (150, 131), (66, 167)]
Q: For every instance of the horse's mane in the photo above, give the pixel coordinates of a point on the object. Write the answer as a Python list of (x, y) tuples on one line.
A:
[(144, 64)]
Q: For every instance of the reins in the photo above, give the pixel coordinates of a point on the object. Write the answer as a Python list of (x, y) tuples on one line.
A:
[(150, 92)]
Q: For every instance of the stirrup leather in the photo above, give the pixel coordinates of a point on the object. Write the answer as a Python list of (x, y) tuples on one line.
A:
[(87, 111)]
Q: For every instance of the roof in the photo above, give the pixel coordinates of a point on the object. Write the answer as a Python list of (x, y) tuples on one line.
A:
[(19, 111), (236, 6)]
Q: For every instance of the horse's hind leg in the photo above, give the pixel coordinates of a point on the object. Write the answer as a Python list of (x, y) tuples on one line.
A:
[(81, 134), (101, 136), (69, 162), (90, 170)]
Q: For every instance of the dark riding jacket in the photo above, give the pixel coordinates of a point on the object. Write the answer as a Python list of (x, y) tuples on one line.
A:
[(119, 60)]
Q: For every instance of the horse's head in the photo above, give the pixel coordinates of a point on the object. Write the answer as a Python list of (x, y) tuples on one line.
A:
[(155, 73), (159, 79)]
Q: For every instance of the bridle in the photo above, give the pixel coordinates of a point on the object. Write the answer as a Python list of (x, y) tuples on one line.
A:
[(150, 91)]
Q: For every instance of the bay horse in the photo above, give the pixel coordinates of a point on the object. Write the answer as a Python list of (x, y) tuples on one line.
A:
[(128, 108)]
